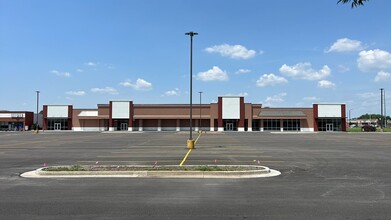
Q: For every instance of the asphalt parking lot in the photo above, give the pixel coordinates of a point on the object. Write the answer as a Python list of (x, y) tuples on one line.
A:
[(324, 176)]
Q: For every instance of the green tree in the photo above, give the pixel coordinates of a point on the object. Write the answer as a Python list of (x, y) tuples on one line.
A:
[(355, 3), (372, 116)]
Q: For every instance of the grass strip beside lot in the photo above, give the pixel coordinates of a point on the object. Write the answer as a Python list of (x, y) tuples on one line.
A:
[(359, 129)]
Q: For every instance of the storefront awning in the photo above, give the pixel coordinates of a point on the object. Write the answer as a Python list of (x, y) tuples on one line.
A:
[(282, 114)]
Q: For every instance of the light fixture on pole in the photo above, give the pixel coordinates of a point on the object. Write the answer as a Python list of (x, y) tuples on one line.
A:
[(190, 142)]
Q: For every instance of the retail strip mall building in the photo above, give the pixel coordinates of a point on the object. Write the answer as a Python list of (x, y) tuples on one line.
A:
[(230, 113)]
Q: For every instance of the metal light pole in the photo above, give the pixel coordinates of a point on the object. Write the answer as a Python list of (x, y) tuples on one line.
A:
[(350, 117), (191, 34), (200, 112), (381, 109), (36, 124), (385, 107)]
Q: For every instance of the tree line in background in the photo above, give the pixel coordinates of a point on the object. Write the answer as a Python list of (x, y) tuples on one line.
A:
[(372, 116)]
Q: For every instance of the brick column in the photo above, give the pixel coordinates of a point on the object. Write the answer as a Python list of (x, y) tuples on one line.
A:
[(130, 124), (242, 114), (70, 113), (111, 124), (45, 118), (178, 125), (315, 109), (220, 114), (343, 117)]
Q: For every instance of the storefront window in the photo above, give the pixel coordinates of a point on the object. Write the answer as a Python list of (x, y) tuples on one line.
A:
[(271, 125), (329, 124), (57, 124), (291, 124)]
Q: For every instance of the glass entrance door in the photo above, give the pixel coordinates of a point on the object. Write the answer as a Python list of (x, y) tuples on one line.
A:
[(57, 126), (329, 127), (229, 126), (124, 126)]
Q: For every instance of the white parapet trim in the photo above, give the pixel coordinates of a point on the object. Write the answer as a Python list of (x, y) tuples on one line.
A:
[(87, 129), (240, 129), (307, 129), (220, 129)]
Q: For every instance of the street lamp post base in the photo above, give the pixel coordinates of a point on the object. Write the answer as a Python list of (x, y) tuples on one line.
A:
[(190, 143)]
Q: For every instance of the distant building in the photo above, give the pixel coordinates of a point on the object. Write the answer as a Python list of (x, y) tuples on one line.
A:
[(230, 113), (16, 120), (363, 122)]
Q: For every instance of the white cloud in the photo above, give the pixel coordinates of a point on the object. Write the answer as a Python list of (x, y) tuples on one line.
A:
[(76, 93), (345, 45), (174, 92), (243, 71), (343, 69), (126, 83), (79, 70), (141, 84), (369, 100), (275, 99), (61, 74), (242, 94), (106, 90), (214, 74), (368, 95), (305, 71), (374, 60), (383, 77), (311, 98), (232, 51), (91, 64), (270, 80), (326, 84)]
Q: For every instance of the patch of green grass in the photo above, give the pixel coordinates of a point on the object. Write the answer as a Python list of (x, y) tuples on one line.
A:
[(67, 168), (208, 168), (358, 129), (157, 168), (387, 129)]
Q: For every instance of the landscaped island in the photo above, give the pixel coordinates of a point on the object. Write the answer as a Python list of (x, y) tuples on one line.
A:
[(165, 171), (152, 168)]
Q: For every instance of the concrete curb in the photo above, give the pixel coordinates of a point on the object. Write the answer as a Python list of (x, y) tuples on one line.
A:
[(257, 172)]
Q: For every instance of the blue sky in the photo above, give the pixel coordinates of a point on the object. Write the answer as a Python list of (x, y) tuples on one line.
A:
[(278, 53)]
